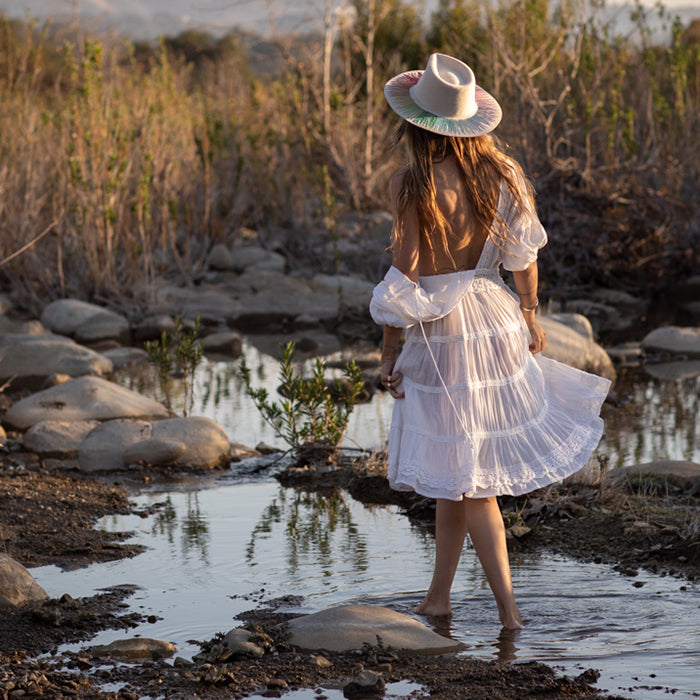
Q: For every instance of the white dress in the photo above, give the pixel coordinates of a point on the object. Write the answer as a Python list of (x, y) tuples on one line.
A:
[(482, 415)]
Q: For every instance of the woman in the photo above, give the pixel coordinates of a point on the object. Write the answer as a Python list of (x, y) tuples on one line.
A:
[(479, 412)]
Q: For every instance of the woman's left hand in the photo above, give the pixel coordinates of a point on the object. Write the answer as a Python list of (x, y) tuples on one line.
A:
[(390, 379)]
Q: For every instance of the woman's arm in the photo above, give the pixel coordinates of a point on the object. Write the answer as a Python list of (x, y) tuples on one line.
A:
[(526, 282)]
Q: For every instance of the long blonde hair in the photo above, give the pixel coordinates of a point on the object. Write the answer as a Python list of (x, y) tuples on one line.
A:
[(483, 165)]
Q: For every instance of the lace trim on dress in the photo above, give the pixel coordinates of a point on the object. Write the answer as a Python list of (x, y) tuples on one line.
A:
[(559, 463)]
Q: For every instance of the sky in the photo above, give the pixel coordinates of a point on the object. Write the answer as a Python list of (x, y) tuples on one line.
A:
[(143, 18)]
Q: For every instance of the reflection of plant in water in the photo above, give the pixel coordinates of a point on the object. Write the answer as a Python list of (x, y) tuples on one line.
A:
[(657, 420), (317, 526), (194, 526)]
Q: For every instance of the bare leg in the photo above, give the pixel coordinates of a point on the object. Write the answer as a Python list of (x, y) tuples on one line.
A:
[(481, 517), (488, 536), (450, 531)]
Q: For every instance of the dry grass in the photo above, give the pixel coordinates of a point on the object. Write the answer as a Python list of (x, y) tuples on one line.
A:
[(116, 169)]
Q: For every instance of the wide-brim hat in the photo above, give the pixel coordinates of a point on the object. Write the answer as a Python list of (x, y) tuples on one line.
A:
[(444, 98)]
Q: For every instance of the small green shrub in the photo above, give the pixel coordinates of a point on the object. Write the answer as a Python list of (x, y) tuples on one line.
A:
[(310, 417)]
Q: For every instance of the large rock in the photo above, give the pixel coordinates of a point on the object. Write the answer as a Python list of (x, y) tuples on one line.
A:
[(85, 398), (60, 439), (566, 345), (17, 585), (674, 340), (32, 359), (353, 626), (181, 442), (352, 292), (86, 322), (11, 326), (211, 304)]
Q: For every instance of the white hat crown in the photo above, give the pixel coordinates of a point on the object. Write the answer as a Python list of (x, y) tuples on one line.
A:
[(446, 89), (444, 99)]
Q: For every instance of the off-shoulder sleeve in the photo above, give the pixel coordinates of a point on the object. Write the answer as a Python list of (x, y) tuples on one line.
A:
[(527, 235), (400, 302)]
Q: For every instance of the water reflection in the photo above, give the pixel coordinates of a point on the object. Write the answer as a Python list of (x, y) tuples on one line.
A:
[(317, 527), (655, 420), (193, 526)]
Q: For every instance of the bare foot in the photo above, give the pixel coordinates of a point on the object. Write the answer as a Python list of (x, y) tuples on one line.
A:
[(511, 619), (434, 608)]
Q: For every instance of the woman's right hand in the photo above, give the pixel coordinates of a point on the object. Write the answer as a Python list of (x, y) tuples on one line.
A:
[(537, 335), (390, 379)]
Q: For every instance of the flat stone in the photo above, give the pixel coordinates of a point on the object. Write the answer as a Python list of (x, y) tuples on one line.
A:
[(354, 626), (224, 343), (675, 470), (136, 649), (674, 340), (152, 327), (212, 305), (352, 292), (57, 438), (29, 362), (73, 317), (670, 371), (85, 398), (17, 585)]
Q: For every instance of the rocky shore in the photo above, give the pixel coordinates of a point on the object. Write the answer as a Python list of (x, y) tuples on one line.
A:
[(68, 431)]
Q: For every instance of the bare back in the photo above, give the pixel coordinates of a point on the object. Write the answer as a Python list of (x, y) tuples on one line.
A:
[(469, 236)]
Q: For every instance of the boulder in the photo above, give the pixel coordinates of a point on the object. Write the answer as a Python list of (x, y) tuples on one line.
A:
[(17, 585), (224, 343), (577, 322), (85, 398), (212, 305), (207, 443), (29, 362), (220, 258), (238, 641), (103, 448), (102, 327), (674, 340), (86, 322), (182, 442), (57, 438), (570, 347), (247, 255), (137, 649), (365, 684), (352, 627), (152, 327), (11, 326), (124, 356), (156, 453), (352, 292)]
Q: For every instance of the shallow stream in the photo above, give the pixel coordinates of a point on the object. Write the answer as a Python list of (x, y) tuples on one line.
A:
[(220, 545)]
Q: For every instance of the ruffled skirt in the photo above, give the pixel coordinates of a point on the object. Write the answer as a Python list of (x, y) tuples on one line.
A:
[(482, 416)]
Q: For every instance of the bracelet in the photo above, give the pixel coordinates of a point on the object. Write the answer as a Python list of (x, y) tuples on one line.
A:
[(530, 308)]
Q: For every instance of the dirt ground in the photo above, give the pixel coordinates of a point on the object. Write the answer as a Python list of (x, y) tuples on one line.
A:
[(47, 516)]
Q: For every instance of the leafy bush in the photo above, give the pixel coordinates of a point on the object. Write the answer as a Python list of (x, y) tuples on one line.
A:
[(310, 417)]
